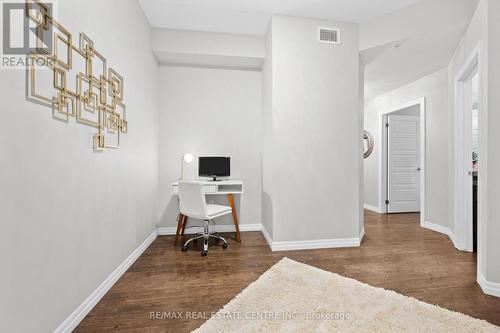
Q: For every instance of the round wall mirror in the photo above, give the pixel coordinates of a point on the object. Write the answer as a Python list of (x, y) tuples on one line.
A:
[(367, 144)]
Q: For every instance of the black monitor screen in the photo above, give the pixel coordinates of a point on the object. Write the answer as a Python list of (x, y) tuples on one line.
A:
[(214, 166)]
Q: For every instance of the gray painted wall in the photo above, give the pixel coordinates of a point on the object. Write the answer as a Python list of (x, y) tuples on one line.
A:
[(267, 138), (315, 132), (211, 112), (70, 216)]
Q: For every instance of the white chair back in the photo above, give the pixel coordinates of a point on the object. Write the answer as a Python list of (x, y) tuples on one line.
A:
[(192, 200)]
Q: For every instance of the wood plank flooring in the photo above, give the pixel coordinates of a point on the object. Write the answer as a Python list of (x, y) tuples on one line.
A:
[(395, 254)]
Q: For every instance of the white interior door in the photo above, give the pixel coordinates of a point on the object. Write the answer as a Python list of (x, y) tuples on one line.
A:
[(403, 175)]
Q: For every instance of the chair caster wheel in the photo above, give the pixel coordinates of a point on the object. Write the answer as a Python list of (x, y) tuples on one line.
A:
[(224, 246), (184, 248), (204, 253)]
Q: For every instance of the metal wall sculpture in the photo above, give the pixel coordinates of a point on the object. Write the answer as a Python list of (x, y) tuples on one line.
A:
[(82, 87)]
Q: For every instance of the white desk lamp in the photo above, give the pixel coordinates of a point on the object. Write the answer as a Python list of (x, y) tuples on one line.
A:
[(186, 159)]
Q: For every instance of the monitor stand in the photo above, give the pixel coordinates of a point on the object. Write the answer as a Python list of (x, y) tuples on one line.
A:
[(215, 179)]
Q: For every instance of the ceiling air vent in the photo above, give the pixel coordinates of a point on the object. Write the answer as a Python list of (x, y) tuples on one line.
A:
[(328, 35)]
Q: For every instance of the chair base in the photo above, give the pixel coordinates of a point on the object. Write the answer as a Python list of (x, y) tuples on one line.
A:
[(205, 236)]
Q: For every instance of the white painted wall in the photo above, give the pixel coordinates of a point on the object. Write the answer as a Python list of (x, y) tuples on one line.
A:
[(434, 88), (315, 132), (70, 216), (208, 48), (211, 112)]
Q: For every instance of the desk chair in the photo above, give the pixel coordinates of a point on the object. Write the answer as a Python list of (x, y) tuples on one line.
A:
[(192, 204)]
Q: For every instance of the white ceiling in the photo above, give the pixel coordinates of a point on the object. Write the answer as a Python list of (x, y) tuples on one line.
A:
[(427, 37), (391, 66), (426, 32), (252, 16)]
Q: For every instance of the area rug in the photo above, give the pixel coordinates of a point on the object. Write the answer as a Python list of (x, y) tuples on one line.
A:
[(294, 297)]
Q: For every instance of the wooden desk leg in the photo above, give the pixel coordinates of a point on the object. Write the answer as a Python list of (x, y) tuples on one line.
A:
[(185, 221), (180, 220), (230, 198)]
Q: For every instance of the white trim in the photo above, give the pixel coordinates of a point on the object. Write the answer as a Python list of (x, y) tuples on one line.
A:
[(84, 308), (463, 182), (312, 244), (70, 323), (441, 229), (168, 231), (315, 244), (423, 159), (488, 287), (268, 238), (382, 154), (372, 208)]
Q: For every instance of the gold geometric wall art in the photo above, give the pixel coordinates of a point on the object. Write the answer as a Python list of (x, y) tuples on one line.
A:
[(82, 87)]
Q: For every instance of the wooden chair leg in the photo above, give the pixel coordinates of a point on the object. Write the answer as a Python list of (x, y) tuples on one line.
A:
[(180, 219), (185, 221), (230, 198)]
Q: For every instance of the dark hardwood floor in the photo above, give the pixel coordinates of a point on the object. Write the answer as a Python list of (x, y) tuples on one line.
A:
[(395, 254)]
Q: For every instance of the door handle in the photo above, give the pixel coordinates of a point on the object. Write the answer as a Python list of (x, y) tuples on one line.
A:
[(418, 169)]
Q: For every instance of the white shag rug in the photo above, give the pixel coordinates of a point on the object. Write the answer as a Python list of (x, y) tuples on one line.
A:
[(294, 297)]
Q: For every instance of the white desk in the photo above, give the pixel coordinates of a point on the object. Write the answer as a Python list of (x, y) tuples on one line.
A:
[(216, 187), (225, 187)]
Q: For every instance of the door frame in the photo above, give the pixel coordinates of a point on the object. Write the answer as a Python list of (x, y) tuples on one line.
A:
[(463, 181), (382, 176)]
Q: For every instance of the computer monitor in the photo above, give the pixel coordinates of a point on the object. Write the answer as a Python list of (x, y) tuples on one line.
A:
[(214, 167)]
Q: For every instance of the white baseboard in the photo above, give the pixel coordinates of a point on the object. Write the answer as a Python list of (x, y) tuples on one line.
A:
[(168, 231), (315, 244), (488, 287), (441, 229), (77, 316), (372, 208), (268, 238), (310, 244), (81, 311)]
